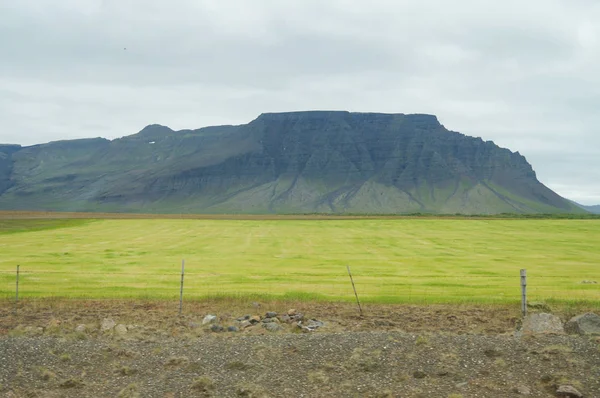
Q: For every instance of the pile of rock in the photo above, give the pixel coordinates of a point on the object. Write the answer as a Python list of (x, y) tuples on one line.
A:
[(271, 321)]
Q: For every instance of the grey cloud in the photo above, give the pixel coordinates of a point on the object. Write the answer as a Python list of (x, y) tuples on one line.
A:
[(523, 74)]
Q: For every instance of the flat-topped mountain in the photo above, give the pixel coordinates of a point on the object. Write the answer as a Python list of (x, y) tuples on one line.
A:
[(296, 162)]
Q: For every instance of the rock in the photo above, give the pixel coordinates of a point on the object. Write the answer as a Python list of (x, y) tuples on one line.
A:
[(81, 328), (271, 320), (233, 329), (270, 314), (209, 319), (291, 312), (586, 324), (419, 374), (522, 390), (272, 327), (568, 391), (538, 306), (314, 324), (107, 325), (589, 282), (216, 328), (542, 323), (285, 319), (245, 324), (298, 317), (254, 319), (121, 329)]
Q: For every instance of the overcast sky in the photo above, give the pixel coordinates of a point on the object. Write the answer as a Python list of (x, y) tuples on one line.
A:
[(525, 74)]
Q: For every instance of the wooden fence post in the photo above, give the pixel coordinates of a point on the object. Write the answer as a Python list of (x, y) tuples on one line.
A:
[(181, 289), (354, 287), (524, 292)]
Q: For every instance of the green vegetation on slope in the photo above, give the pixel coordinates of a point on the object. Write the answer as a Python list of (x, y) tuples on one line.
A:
[(403, 260)]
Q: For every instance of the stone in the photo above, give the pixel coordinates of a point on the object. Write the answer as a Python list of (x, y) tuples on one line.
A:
[(245, 324), (121, 330), (285, 319), (254, 319), (291, 312), (313, 324), (272, 327), (538, 306), (522, 390), (256, 304), (216, 328), (233, 329), (419, 374), (568, 391), (542, 323), (107, 325), (586, 324), (271, 320), (298, 317), (270, 314), (589, 282), (81, 328), (209, 319)]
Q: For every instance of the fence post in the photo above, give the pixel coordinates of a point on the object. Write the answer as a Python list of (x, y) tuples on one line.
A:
[(17, 291), (524, 292), (181, 289), (354, 287)]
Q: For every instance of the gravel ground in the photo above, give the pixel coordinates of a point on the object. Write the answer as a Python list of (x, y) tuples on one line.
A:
[(352, 364), (390, 351)]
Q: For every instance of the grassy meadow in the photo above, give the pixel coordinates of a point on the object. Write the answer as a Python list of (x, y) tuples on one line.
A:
[(392, 260)]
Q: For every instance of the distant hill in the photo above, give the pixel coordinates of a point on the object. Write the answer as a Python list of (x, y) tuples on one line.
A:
[(592, 209), (297, 162)]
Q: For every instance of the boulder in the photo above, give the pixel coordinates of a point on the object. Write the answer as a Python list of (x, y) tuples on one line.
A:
[(233, 329), (209, 319), (216, 328), (271, 314), (291, 312), (586, 324), (107, 325), (542, 323), (568, 391)]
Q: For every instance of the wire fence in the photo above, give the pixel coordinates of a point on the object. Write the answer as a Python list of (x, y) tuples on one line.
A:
[(389, 288)]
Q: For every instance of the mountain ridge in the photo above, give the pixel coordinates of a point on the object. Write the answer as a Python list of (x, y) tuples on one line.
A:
[(291, 162)]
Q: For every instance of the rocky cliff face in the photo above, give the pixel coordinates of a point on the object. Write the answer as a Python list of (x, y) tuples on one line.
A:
[(298, 162)]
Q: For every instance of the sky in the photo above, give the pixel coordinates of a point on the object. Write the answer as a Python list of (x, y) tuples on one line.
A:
[(524, 74)]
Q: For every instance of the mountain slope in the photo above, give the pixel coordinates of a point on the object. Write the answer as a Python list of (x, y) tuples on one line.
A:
[(592, 209), (295, 162)]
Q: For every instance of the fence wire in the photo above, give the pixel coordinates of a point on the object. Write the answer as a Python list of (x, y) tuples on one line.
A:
[(385, 288)]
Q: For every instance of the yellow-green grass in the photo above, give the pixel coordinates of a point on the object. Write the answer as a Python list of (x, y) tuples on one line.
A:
[(392, 260)]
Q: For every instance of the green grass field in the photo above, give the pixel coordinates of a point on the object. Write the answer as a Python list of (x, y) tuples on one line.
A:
[(392, 260)]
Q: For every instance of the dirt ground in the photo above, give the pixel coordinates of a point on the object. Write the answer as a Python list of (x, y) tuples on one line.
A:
[(388, 351)]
